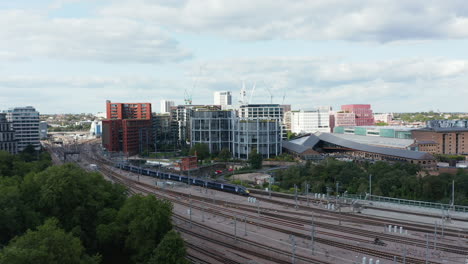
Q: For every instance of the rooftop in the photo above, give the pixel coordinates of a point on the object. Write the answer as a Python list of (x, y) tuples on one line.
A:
[(301, 144)]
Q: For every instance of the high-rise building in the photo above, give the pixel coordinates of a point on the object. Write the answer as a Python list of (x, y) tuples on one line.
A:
[(213, 128), (166, 106), (263, 134), (362, 112), (128, 128), (318, 120), (128, 110), (224, 99), (180, 118), (7, 136), (165, 133), (43, 130), (264, 111), (25, 122)]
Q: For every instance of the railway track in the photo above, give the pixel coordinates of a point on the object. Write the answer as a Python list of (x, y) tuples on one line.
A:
[(369, 220), (357, 249), (282, 220)]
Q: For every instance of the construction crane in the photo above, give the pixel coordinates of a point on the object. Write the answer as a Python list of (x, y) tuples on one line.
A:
[(188, 97), (271, 95), (188, 94), (243, 93), (252, 92)]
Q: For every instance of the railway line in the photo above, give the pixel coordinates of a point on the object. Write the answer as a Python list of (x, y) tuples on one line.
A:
[(291, 222), (356, 218), (357, 249)]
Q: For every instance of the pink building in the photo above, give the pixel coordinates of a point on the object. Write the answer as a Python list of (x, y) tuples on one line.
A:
[(345, 119), (355, 115)]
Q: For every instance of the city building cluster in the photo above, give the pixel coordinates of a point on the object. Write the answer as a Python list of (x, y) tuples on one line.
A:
[(354, 131)]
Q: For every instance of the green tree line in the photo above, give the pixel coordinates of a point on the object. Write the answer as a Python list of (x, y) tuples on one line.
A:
[(63, 214), (399, 180)]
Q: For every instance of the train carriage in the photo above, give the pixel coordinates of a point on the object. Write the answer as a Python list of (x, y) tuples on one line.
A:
[(180, 178)]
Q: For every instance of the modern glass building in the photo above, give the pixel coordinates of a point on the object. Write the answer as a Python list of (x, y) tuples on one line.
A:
[(25, 122), (261, 134), (213, 128)]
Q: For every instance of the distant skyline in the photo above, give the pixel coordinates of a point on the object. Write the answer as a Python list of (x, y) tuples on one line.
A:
[(70, 56)]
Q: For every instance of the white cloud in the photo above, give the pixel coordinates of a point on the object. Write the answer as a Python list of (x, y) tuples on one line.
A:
[(27, 35), (396, 85), (364, 20)]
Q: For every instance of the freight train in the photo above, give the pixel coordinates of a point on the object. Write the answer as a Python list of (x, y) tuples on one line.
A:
[(181, 178)]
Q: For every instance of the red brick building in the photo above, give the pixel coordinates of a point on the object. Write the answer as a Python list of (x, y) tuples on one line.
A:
[(128, 128), (450, 141), (188, 163), (128, 110)]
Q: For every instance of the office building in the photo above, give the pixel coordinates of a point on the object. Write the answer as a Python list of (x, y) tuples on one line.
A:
[(8, 142), (166, 106), (354, 115), (442, 140), (223, 99), (25, 122), (128, 110), (213, 128), (343, 119), (310, 121), (43, 130)]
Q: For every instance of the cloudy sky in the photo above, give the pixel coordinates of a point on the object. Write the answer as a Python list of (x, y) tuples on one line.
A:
[(69, 56)]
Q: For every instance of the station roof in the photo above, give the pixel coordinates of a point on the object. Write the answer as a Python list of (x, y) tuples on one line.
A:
[(301, 144)]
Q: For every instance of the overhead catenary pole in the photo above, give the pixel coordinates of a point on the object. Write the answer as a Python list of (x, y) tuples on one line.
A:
[(293, 245), (245, 226), (427, 248), (370, 184), (453, 195), (295, 196), (235, 229)]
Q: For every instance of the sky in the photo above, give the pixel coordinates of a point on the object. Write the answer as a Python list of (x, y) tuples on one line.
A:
[(70, 56)]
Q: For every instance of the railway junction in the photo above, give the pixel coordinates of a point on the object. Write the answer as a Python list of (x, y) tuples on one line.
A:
[(221, 227)]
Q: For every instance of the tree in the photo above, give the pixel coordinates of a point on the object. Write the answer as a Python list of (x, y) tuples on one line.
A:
[(140, 225), (255, 159), (202, 151), (73, 196), (47, 245), (171, 250), (224, 154)]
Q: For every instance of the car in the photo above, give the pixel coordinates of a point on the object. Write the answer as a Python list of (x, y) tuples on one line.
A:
[(218, 172)]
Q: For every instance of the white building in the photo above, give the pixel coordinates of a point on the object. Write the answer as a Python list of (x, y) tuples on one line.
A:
[(224, 99), (385, 118), (26, 125), (166, 106), (311, 121)]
